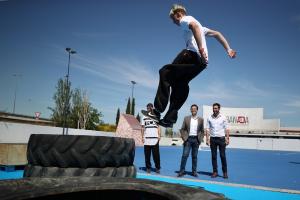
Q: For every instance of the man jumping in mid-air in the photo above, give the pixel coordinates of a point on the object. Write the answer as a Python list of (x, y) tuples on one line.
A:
[(186, 66)]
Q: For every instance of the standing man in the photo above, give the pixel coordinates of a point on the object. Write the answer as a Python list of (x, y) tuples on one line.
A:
[(217, 135), (192, 133), (151, 137), (186, 66)]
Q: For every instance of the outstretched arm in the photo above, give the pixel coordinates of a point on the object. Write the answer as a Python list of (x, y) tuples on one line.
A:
[(197, 35), (216, 34)]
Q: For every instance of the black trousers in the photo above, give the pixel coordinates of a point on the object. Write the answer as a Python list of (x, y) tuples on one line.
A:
[(216, 142), (156, 157), (176, 76)]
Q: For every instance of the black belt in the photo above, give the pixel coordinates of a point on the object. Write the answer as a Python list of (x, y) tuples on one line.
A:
[(193, 136)]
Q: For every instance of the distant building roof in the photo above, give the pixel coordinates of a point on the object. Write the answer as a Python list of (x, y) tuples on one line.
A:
[(290, 129), (10, 117), (133, 122)]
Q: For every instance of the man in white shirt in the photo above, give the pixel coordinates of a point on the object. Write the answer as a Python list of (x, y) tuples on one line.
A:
[(186, 66), (217, 135), (192, 133), (151, 137)]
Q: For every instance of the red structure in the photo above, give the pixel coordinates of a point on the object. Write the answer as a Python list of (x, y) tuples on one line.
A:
[(129, 127)]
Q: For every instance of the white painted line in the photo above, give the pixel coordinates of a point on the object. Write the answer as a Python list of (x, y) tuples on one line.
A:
[(229, 184)]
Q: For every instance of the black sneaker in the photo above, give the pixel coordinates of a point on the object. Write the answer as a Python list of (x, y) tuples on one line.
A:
[(156, 113), (165, 123), (180, 174), (157, 171), (194, 174), (151, 115)]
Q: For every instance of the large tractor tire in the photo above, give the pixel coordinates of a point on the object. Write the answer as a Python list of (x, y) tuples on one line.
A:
[(70, 188), (77, 151), (38, 171)]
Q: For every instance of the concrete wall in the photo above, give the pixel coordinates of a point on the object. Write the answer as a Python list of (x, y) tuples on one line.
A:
[(13, 154), (286, 144), (265, 144), (249, 143), (20, 133)]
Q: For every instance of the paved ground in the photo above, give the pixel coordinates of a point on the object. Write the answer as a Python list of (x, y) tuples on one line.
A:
[(275, 169)]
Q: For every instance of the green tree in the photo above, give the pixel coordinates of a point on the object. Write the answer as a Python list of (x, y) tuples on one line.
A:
[(76, 108), (80, 114), (138, 117), (133, 106), (169, 132), (94, 119), (118, 117), (86, 111), (128, 106), (81, 109), (62, 108)]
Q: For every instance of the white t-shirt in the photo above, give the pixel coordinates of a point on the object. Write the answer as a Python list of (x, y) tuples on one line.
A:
[(193, 127), (217, 125), (189, 38), (150, 131)]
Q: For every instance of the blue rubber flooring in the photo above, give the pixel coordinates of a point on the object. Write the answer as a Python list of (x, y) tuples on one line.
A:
[(230, 192), (11, 175), (275, 169)]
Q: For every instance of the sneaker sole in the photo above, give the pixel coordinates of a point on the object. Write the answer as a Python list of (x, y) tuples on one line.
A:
[(153, 117)]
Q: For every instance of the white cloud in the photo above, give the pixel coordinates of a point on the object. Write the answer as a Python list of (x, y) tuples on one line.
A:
[(134, 70), (241, 93), (293, 103), (218, 90), (296, 20), (248, 88), (95, 35), (284, 112), (118, 70), (215, 91)]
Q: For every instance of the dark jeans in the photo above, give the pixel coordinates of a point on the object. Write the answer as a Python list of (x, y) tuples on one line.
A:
[(186, 66), (216, 142), (156, 156), (191, 143)]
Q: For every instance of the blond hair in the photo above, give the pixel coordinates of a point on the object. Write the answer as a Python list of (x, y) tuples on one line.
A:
[(176, 8)]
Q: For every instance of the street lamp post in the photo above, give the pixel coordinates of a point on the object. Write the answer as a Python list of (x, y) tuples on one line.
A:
[(132, 88), (70, 51), (15, 96)]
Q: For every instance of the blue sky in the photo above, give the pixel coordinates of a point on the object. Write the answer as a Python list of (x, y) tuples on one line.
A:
[(120, 41)]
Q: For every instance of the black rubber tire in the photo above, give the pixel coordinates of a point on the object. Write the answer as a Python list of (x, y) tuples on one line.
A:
[(80, 151), (99, 188), (38, 171)]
